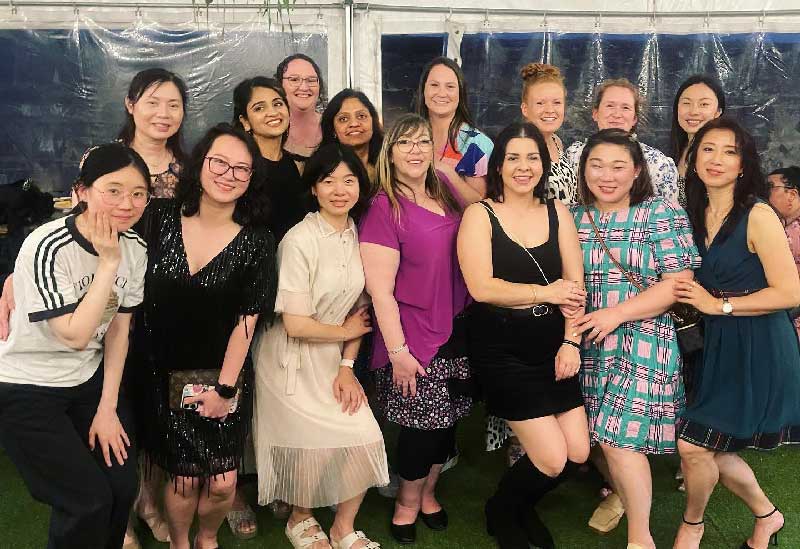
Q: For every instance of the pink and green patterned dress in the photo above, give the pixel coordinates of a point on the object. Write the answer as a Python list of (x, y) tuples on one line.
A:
[(632, 384)]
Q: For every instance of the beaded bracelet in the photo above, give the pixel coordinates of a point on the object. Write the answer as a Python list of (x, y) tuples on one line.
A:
[(398, 350)]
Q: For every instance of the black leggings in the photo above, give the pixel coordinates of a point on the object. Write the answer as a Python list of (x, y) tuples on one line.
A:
[(419, 449), (44, 431)]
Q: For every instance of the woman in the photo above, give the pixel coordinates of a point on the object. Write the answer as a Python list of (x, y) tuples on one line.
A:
[(544, 98), (699, 99), (461, 151), (63, 421), (305, 90), (351, 119), (317, 443), (750, 375), (154, 110), (408, 249), (617, 104), (210, 275), (521, 259), (260, 107), (635, 246)]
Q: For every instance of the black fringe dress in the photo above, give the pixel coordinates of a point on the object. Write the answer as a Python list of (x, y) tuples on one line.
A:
[(184, 324)]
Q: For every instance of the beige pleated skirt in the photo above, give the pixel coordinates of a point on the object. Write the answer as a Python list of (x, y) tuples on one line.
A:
[(308, 452)]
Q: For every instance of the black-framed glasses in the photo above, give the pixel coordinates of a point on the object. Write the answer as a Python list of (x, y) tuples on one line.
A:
[(220, 167), (296, 81), (779, 187), (407, 145), (115, 197)]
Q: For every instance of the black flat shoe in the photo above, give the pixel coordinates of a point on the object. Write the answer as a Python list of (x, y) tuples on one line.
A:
[(403, 534), (435, 521)]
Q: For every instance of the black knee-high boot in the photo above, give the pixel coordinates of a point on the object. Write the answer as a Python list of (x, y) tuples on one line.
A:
[(520, 484), (537, 532)]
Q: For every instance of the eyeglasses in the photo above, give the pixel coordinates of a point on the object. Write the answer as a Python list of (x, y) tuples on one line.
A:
[(779, 187), (407, 145), (296, 81), (115, 197), (219, 167)]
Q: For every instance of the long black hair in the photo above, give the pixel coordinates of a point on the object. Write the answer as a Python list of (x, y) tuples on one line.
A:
[(642, 188), (678, 138), (243, 93), (333, 108), (252, 208), (140, 83), (462, 115), (494, 176), (324, 161), (749, 188)]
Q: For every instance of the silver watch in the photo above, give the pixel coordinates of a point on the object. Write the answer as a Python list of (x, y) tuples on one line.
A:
[(727, 306)]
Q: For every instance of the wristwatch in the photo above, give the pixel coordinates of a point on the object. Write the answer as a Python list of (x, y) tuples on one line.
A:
[(727, 306), (225, 391)]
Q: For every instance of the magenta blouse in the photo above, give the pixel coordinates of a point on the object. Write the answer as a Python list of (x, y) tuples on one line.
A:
[(429, 288)]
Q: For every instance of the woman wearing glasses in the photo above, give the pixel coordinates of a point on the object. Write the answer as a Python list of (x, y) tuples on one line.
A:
[(63, 421), (408, 247), (305, 90), (210, 274)]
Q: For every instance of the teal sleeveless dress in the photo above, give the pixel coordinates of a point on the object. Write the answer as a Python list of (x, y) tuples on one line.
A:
[(748, 387)]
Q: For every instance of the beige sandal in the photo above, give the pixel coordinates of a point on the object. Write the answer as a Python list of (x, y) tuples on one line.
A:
[(299, 541), (352, 538), (608, 514)]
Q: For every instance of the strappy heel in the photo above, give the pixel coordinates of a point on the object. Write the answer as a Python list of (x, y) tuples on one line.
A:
[(773, 538)]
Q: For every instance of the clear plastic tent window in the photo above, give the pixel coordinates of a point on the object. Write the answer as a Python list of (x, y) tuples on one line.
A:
[(760, 73)]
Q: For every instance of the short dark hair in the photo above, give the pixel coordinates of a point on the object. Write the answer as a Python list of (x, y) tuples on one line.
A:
[(324, 161), (243, 93), (280, 71), (462, 115), (790, 176), (107, 158), (494, 178), (642, 186), (749, 188), (333, 108), (678, 137), (140, 83), (252, 208)]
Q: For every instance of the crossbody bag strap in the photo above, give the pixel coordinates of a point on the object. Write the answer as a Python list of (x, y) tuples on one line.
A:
[(609, 254)]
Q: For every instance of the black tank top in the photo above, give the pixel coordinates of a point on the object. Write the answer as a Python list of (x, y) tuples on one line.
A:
[(511, 263)]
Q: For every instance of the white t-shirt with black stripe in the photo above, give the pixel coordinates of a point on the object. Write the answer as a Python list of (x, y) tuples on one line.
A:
[(53, 271)]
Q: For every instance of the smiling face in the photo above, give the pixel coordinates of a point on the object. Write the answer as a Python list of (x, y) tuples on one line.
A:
[(696, 106), (118, 194), (412, 165), (353, 123), (337, 192), (610, 172), (522, 167), (617, 109), (718, 160), (301, 94), (441, 92), (544, 106), (225, 188), (158, 113), (267, 114)]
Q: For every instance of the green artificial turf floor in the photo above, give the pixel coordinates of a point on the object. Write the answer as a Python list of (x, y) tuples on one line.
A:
[(463, 490)]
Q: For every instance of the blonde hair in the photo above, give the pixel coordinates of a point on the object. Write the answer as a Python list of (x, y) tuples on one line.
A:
[(386, 179), (618, 83), (537, 73)]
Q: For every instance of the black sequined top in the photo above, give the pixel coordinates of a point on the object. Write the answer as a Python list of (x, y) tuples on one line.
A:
[(185, 323)]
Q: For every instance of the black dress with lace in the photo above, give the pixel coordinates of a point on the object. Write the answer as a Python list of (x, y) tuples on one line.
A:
[(185, 323)]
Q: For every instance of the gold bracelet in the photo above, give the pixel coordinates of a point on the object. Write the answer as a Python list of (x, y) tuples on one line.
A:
[(533, 289)]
